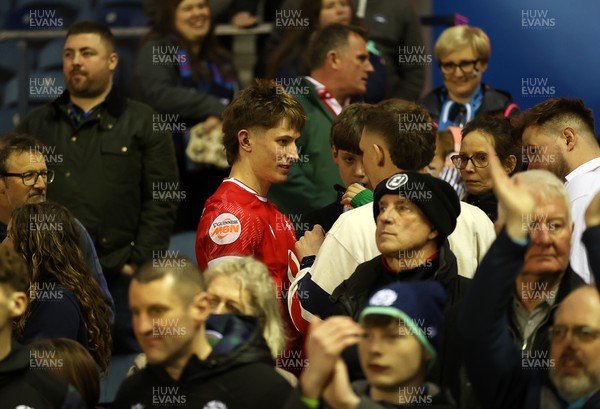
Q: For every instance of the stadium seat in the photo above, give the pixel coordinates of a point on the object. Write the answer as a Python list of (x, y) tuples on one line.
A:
[(8, 66), (9, 118), (120, 13), (45, 14), (50, 56)]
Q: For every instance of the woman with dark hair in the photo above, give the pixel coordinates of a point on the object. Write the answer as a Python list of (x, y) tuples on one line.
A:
[(65, 300), (72, 362), (289, 58), (188, 79), (472, 160)]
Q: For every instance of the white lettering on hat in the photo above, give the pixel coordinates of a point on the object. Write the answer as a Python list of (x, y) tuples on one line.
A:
[(383, 297), (396, 181)]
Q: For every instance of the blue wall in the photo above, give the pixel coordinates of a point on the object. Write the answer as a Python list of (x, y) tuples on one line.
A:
[(567, 54)]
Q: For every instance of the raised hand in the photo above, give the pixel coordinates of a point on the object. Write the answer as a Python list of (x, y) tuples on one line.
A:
[(516, 202), (326, 341)]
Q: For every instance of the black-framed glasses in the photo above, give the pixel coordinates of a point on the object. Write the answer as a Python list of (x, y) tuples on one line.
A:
[(582, 333), (30, 178), (467, 67), (480, 160)]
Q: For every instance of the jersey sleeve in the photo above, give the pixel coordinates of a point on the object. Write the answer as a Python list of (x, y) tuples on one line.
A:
[(227, 230)]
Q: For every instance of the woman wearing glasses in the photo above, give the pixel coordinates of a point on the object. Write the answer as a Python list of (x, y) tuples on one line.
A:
[(462, 53), (472, 160)]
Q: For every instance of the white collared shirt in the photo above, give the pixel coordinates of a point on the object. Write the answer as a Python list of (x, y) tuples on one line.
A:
[(582, 185)]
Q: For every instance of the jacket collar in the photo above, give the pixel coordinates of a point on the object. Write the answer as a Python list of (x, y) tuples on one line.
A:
[(115, 102)]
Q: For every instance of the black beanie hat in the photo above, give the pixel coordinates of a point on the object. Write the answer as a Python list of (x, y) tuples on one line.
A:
[(435, 197)]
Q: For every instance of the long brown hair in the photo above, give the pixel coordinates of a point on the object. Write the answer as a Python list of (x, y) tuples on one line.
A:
[(45, 234), (72, 362), (164, 26)]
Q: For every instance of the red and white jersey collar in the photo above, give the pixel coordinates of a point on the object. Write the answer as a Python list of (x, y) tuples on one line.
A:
[(327, 97)]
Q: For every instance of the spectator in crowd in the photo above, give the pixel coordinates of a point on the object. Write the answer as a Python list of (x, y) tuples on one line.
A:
[(415, 213), (347, 156), (289, 59), (73, 363), (21, 383), (387, 149), (546, 276), (391, 24), (240, 13), (117, 175), (398, 340), (447, 143), (339, 68), (462, 53), (170, 309), (64, 300), (22, 157), (472, 160), (188, 79), (502, 374), (243, 286), (558, 135)]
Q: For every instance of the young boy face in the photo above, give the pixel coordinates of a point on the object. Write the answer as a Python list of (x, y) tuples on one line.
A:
[(350, 166), (390, 355)]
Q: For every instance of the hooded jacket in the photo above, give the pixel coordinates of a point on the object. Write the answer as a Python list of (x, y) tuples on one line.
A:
[(238, 373), (24, 383)]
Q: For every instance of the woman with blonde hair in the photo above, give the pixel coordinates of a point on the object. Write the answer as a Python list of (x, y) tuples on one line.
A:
[(244, 286), (462, 53)]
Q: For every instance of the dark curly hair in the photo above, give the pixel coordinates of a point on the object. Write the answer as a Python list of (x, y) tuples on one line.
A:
[(45, 234)]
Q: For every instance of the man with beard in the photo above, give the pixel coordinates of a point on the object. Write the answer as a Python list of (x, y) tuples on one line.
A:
[(116, 175), (575, 350), (532, 251), (558, 135)]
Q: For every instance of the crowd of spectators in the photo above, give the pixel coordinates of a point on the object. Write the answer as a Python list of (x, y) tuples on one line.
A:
[(354, 246)]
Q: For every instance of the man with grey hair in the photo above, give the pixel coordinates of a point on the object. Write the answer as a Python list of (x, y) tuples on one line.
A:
[(505, 331), (558, 135)]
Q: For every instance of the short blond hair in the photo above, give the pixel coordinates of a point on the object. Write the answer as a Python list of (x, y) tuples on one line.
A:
[(456, 37)]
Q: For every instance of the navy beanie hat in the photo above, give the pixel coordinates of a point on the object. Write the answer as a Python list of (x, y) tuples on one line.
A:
[(418, 304), (435, 197)]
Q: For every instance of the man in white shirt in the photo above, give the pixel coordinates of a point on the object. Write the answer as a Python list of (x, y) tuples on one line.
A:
[(398, 136), (558, 135)]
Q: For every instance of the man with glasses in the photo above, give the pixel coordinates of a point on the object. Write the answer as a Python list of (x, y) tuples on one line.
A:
[(114, 171), (462, 53), (24, 178), (517, 295)]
